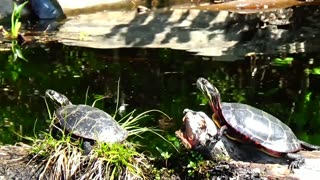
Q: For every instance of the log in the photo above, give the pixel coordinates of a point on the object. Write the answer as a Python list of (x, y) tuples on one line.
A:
[(221, 35), (15, 163)]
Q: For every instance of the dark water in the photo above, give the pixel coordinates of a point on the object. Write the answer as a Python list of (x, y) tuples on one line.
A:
[(161, 79)]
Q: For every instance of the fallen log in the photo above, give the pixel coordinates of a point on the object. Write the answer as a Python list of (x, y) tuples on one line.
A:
[(222, 35)]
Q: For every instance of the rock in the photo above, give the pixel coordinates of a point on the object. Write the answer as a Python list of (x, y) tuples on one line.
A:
[(47, 9), (41, 9), (5, 8)]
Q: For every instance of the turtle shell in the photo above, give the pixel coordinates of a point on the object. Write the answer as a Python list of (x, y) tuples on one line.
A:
[(260, 127), (90, 123)]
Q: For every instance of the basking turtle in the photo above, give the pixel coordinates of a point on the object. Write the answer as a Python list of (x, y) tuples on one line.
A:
[(198, 132), (87, 122), (197, 129), (249, 125)]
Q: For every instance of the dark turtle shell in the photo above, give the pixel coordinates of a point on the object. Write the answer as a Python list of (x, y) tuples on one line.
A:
[(262, 128), (90, 123)]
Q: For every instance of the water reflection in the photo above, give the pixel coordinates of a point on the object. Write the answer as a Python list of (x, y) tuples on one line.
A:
[(152, 78)]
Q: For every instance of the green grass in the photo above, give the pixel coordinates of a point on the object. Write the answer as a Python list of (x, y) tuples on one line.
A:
[(63, 158)]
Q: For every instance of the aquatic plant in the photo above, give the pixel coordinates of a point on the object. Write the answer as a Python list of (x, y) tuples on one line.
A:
[(282, 61), (17, 51), (165, 155), (15, 19), (15, 29)]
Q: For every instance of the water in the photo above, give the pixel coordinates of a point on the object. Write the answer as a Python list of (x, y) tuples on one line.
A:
[(161, 79)]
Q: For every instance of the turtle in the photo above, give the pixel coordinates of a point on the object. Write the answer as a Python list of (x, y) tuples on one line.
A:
[(198, 133), (86, 122), (197, 129), (252, 126)]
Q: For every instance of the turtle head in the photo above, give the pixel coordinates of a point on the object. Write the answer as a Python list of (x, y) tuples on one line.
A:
[(211, 92), (57, 98)]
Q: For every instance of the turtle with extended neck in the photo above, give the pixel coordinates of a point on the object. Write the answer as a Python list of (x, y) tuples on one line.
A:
[(86, 122), (251, 126)]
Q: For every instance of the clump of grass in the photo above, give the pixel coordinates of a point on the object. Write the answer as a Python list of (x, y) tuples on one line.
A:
[(131, 124), (119, 160), (63, 157)]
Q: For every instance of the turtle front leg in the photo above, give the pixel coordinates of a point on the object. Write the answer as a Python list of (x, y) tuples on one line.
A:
[(296, 160), (221, 132), (87, 147)]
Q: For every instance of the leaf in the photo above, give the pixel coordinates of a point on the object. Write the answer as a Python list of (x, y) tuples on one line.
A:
[(315, 71), (17, 52), (282, 62), (18, 9), (15, 19)]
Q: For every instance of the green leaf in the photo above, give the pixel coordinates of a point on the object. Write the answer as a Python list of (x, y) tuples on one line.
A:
[(16, 50), (282, 62), (15, 19), (18, 9), (307, 97), (315, 71)]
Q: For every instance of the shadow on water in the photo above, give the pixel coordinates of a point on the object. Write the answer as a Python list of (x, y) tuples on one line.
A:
[(153, 79)]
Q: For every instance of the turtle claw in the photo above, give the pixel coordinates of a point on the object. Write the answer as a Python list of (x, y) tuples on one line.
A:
[(296, 164), (220, 133), (218, 136), (297, 161)]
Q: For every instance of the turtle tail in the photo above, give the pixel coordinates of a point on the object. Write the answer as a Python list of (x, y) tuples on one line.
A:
[(309, 147)]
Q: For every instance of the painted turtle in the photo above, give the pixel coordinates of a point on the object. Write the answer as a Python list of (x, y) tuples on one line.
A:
[(197, 129), (198, 132), (87, 122), (249, 125)]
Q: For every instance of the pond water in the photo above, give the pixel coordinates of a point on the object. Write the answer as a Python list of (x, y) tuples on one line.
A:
[(161, 79)]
